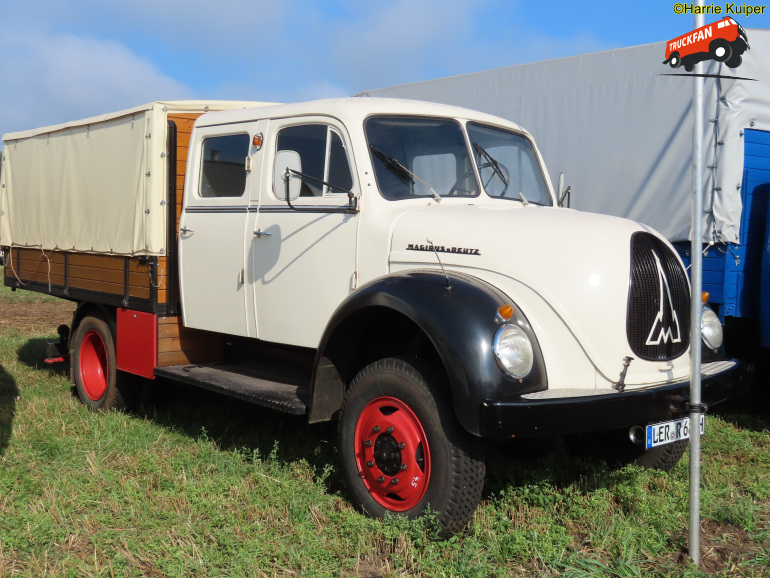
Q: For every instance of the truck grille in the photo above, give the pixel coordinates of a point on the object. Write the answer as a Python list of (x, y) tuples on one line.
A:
[(658, 322)]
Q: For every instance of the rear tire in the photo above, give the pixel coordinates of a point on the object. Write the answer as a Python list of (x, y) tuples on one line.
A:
[(94, 365), (720, 50), (403, 451)]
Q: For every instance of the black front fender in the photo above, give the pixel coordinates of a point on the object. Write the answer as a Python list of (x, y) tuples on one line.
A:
[(459, 322)]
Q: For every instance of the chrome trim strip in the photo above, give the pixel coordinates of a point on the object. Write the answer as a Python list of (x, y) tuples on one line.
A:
[(268, 209), (221, 209), (303, 208)]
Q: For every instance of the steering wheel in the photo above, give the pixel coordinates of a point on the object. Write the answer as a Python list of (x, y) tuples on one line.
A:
[(499, 170), (457, 189)]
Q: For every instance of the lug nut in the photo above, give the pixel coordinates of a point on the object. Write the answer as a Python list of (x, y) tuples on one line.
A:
[(403, 467), (381, 479), (401, 446), (394, 481), (376, 429), (370, 464), (368, 443), (390, 429)]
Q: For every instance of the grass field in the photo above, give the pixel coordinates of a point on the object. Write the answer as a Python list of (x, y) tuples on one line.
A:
[(199, 485)]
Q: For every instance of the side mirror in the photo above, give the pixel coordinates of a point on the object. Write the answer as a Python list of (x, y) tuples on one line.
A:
[(287, 160)]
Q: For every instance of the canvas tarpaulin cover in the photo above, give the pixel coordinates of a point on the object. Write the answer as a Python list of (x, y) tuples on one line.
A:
[(619, 124), (97, 185)]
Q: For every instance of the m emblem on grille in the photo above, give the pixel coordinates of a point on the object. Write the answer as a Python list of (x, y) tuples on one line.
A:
[(665, 328)]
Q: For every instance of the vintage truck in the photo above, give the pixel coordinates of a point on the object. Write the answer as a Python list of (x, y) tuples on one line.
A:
[(401, 267)]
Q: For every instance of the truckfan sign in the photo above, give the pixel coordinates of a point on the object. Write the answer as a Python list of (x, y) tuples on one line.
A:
[(723, 41)]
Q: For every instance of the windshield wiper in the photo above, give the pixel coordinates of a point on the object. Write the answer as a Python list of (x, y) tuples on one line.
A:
[(401, 171), (492, 163), (498, 170)]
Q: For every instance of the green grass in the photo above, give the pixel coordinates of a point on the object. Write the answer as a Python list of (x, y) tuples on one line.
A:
[(7, 295), (199, 485)]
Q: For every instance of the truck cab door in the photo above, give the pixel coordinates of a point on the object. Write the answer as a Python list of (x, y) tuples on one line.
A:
[(212, 229), (303, 255)]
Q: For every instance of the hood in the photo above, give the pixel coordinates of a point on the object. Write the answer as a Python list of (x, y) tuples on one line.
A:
[(578, 263)]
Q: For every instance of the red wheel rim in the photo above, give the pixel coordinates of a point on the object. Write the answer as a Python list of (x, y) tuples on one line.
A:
[(392, 454), (94, 367)]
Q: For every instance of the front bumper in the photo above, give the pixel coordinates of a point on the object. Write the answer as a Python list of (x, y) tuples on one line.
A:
[(543, 413)]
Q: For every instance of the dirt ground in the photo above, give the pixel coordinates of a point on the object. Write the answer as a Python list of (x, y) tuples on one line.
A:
[(36, 317), (722, 546)]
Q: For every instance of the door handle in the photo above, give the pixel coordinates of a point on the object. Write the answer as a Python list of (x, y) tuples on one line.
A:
[(185, 230), (259, 233)]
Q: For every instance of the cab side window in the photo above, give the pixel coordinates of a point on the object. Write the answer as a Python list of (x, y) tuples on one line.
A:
[(223, 166), (339, 169), (323, 158)]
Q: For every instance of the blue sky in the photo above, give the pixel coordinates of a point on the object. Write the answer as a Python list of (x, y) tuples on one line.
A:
[(63, 60)]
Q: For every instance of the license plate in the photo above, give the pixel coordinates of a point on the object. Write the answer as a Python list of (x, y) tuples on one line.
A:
[(667, 432)]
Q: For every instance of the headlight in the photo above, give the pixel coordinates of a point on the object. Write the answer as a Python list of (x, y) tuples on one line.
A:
[(710, 328), (513, 351)]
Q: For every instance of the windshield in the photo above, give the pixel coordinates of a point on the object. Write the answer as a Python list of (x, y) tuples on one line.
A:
[(508, 166), (420, 157)]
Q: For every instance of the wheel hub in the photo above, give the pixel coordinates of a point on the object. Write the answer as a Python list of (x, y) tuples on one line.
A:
[(392, 454), (387, 454), (93, 365)]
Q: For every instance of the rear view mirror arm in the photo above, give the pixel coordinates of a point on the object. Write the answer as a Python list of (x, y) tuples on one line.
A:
[(352, 201)]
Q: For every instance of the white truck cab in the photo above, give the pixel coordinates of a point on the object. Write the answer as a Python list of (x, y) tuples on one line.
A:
[(404, 267)]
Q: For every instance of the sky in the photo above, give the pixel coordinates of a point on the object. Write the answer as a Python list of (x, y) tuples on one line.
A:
[(63, 60)]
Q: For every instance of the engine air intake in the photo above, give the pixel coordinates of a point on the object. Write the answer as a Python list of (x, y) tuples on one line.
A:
[(658, 321)]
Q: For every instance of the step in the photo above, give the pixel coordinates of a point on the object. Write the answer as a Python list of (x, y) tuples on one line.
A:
[(248, 384)]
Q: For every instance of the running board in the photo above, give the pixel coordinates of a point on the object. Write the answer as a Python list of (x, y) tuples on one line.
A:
[(247, 384)]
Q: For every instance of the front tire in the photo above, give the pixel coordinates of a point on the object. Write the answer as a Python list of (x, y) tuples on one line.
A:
[(403, 451), (616, 449), (94, 365), (663, 458), (735, 61), (674, 60)]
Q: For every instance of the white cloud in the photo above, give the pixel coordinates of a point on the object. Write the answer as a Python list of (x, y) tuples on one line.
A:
[(304, 89), (48, 79), (66, 59)]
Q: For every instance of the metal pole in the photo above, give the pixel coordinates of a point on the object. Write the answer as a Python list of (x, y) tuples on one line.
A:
[(695, 307)]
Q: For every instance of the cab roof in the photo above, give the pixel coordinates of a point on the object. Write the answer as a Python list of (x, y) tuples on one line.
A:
[(352, 110)]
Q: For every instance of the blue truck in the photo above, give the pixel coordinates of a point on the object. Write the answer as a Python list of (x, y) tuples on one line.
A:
[(737, 275)]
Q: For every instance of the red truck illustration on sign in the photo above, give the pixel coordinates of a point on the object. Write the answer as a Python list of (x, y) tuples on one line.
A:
[(723, 41)]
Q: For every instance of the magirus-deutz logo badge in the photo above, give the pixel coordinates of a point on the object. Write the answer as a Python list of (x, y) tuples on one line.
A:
[(665, 328)]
